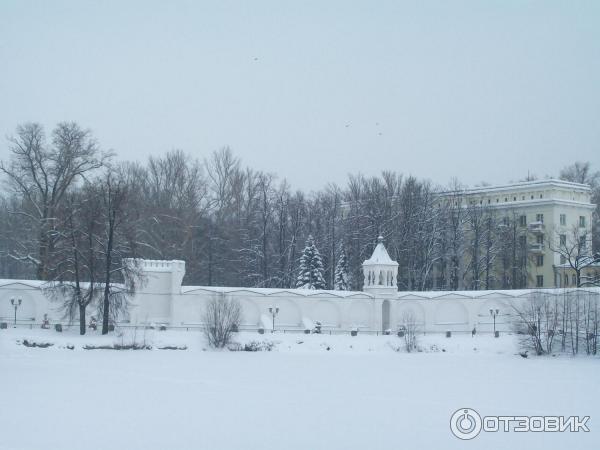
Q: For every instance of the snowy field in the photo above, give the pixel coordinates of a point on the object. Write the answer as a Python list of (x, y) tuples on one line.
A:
[(311, 392)]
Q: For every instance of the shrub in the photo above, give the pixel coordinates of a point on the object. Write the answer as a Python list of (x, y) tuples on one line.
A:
[(221, 318), (256, 346), (408, 331), (27, 343)]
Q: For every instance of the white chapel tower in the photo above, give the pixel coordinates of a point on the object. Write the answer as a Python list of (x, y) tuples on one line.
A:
[(380, 272)]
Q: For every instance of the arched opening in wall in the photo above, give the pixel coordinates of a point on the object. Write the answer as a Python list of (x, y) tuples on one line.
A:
[(250, 313), (451, 315), (408, 311), (326, 313), (485, 318), (360, 314), (289, 315), (385, 315)]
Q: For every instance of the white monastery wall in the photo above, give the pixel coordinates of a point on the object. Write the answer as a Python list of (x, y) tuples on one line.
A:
[(163, 300)]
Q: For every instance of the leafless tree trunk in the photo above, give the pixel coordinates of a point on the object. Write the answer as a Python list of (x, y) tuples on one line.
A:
[(410, 328)]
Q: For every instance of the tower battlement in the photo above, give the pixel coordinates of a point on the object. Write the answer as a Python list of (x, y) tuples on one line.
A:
[(161, 265), (161, 276)]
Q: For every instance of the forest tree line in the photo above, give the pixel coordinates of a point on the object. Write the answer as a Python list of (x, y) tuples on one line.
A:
[(71, 211)]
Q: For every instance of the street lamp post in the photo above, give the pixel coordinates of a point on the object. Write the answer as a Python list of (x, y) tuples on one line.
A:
[(494, 313), (16, 303), (274, 310)]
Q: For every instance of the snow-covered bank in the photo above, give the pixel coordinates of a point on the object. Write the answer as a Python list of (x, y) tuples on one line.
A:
[(279, 342), (360, 393)]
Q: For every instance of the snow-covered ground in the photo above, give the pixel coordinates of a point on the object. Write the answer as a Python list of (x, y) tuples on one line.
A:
[(311, 392)]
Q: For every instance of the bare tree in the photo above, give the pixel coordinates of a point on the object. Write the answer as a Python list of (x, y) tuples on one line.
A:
[(475, 222), (221, 318), (591, 321), (454, 236), (481, 244), (42, 175), (117, 246), (539, 317), (75, 280), (581, 172), (574, 248), (571, 316), (512, 252), (172, 193)]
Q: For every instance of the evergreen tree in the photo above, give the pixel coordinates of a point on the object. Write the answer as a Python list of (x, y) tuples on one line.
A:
[(311, 267), (341, 280)]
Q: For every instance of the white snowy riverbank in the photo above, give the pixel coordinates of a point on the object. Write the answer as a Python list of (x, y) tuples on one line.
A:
[(360, 393)]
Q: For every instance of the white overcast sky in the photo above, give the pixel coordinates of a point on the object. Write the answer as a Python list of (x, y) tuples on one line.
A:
[(314, 90)]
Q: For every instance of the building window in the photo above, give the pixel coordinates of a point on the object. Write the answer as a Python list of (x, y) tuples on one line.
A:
[(539, 261), (522, 241), (532, 197), (514, 199), (582, 242), (540, 239), (539, 218), (539, 281), (522, 197), (505, 199), (566, 280), (523, 221), (541, 195), (574, 280), (563, 240), (563, 259), (505, 221), (581, 221), (563, 219)]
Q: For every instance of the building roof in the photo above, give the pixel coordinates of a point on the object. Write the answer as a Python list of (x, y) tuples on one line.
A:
[(380, 255), (526, 185)]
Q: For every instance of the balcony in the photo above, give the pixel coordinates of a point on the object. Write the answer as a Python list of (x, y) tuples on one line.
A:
[(536, 227), (536, 248)]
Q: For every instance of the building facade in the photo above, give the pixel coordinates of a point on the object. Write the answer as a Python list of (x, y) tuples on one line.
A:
[(547, 212)]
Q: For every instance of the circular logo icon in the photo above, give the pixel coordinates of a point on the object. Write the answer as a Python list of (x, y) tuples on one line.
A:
[(465, 423)]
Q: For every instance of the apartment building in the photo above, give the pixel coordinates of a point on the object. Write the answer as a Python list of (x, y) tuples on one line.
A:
[(550, 213)]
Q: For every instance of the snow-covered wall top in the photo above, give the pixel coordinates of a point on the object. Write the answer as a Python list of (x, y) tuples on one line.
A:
[(514, 293), (274, 291)]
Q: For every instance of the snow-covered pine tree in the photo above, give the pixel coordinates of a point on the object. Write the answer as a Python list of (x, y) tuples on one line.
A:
[(311, 267), (341, 280)]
